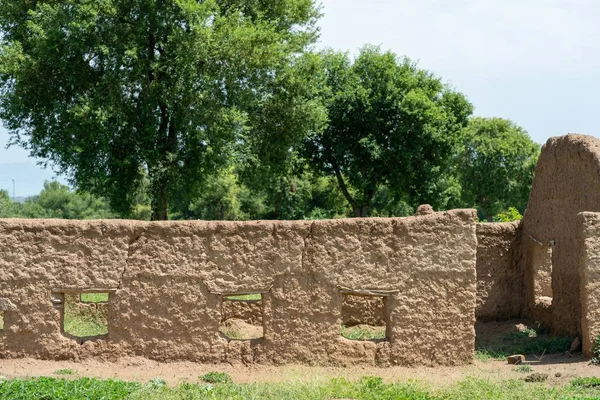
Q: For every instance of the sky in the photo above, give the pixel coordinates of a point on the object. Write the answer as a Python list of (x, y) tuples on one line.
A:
[(536, 62)]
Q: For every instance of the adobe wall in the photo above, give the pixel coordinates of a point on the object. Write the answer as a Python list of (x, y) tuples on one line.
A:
[(567, 182), (500, 278), (590, 279), (167, 281)]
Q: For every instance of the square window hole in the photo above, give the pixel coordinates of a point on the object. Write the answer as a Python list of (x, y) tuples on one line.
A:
[(364, 317), (85, 315), (242, 317)]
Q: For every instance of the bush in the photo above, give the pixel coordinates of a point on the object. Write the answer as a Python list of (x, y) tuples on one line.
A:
[(216, 377)]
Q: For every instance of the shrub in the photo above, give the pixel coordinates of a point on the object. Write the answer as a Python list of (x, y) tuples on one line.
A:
[(216, 377)]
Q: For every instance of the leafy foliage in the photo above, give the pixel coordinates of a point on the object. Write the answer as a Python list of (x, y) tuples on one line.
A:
[(115, 92), (496, 165), (56, 201), (390, 123), (512, 214)]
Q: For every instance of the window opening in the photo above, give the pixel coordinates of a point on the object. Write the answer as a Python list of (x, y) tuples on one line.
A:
[(364, 317), (242, 316), (85, 315)]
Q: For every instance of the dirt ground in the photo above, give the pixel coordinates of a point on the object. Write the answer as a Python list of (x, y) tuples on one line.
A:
[(561, 368), (142, 370)]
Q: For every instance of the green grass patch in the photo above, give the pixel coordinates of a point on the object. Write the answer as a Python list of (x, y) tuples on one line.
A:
[(254, 296), (63, 389), (527, 342), (216, 377), (523, 368), (363, 332), (367, 388), (587, 382), (64, 371), (94, 297)]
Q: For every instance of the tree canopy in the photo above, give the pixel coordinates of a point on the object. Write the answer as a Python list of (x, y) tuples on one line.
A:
[(115, 93), (389, 123), (496, 166), (219, 109)]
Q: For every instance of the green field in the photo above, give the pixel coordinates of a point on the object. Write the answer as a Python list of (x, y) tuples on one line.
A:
[(366, 388)]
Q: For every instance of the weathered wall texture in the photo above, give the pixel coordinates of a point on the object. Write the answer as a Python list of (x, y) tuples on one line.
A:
[(500, 278), (590, 279), (567, 182), (168, 282)]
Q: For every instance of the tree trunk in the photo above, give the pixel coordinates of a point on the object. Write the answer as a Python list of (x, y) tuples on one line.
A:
[(160, 202)]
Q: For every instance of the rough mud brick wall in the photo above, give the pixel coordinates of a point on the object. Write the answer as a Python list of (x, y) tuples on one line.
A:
[(589, 269), (37, 256), (567, 182), (500, 280), (357, 310), (168, 281), (249, 311)]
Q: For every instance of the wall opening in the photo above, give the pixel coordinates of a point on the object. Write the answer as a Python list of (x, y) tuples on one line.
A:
[(542, 274), (242, 316), (1, 321), (364, 317), (85, 315)]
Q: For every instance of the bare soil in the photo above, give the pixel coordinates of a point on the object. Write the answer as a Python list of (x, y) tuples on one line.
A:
[(142, 370), (561, 368)]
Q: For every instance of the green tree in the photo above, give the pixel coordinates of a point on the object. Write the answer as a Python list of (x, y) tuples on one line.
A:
[(496, 166), (391, 124), (58, 201), (6, 208), (113, 92)]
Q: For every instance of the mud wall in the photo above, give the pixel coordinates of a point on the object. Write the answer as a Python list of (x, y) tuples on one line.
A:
[(167, 282), (589, 269), (567, 182), (500, 278)]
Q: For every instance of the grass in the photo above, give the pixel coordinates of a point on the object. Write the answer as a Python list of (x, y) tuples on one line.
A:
[(94, 297), (368, 388), (363, 332), (216, 377), (65, 371), (527, 342), (254, 296), (84, 319), (523, 368)]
